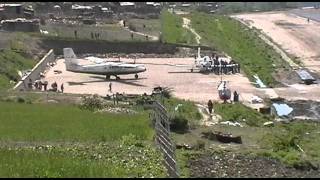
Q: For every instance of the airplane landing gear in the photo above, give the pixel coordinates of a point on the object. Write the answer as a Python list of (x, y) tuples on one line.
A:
[(107, 77), (117, 77), (191, 70), (136, 76)]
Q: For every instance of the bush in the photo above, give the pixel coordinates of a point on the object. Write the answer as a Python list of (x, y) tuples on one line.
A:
[(132, 27), (179, 124), (200, 145), (92, 103), (21, 100)]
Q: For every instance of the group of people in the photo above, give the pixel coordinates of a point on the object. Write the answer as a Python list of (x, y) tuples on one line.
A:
[(95, 35), (38, 84), (224, 67), (221, 66)]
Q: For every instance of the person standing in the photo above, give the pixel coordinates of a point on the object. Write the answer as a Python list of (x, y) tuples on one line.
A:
[(110, 87), (75, 33), (210, 106), (62, 88)]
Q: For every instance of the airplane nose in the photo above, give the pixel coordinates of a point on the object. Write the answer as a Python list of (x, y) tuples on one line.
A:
[(143, 68)]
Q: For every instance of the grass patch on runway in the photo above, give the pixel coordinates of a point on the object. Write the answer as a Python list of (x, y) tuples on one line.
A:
[(56, 122), (242, 44)]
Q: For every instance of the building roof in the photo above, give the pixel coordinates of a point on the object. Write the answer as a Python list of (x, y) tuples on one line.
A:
[(20, 20), (127, 4), (186, 5), (76, 6), (153, 4), (304, 75), (10, 5)]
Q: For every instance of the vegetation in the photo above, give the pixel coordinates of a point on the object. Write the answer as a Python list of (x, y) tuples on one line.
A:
[(60, 140), (10, 63), (237, 112), (14, 57), (285, 140), (35, 122), (183, 114), (172, 30), (126, 158), (242, 44)]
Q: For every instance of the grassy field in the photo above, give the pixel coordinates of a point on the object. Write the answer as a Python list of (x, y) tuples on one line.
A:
[(243, 45), (61, 140), (108, 32), (125, 158), (172, 30), (33, 122)]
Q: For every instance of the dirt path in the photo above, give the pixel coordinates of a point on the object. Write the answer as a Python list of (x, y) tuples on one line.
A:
[(207, 119), (186, 24)]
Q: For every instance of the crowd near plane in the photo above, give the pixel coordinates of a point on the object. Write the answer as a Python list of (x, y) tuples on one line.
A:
[(102, 68)]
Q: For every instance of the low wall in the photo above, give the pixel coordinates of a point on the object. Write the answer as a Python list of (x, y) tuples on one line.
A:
[(35, 73)]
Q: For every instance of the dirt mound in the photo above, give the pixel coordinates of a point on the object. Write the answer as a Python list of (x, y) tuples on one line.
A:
[(229, 164)]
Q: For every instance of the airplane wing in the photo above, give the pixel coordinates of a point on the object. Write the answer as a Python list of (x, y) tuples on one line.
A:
[(95, 59)]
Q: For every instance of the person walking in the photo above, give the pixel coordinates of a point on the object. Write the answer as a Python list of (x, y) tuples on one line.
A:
[(62, 88), (235, 96), (110, 87), (210, 106), (75, 33)]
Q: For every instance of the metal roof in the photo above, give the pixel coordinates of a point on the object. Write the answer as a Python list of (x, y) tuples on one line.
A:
[(304, 75)]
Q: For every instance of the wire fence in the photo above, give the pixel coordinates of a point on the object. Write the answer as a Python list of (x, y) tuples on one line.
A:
[(163, 140)]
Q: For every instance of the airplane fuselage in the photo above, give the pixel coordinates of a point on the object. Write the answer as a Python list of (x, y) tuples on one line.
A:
[(108, 69)]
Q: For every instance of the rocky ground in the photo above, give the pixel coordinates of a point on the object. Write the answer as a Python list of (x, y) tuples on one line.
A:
[(228, 164)]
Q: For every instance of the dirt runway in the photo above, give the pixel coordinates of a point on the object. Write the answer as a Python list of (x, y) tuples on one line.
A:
[(160, 72), (293, 33)]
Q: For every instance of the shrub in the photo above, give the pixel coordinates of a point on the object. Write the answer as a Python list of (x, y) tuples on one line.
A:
[(132, 27), (179, 124), (92, 103), (21, 100), (200, 145)]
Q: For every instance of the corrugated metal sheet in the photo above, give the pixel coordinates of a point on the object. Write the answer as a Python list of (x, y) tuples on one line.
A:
[(305, 76)]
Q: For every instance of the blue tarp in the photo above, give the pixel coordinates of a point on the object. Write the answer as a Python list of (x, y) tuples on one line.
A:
[(282, 109)]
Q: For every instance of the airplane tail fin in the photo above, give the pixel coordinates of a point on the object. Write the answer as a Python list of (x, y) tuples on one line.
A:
[(70, 58)]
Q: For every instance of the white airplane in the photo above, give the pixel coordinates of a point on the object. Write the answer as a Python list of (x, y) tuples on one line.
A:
[(107, 68)]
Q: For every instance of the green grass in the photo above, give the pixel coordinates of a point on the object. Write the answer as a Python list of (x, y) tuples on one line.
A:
[(172, 30), (282, 140), (237, 112), (35, 122), (13, 58), (98, 160), (239, 42), (187, 109)]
